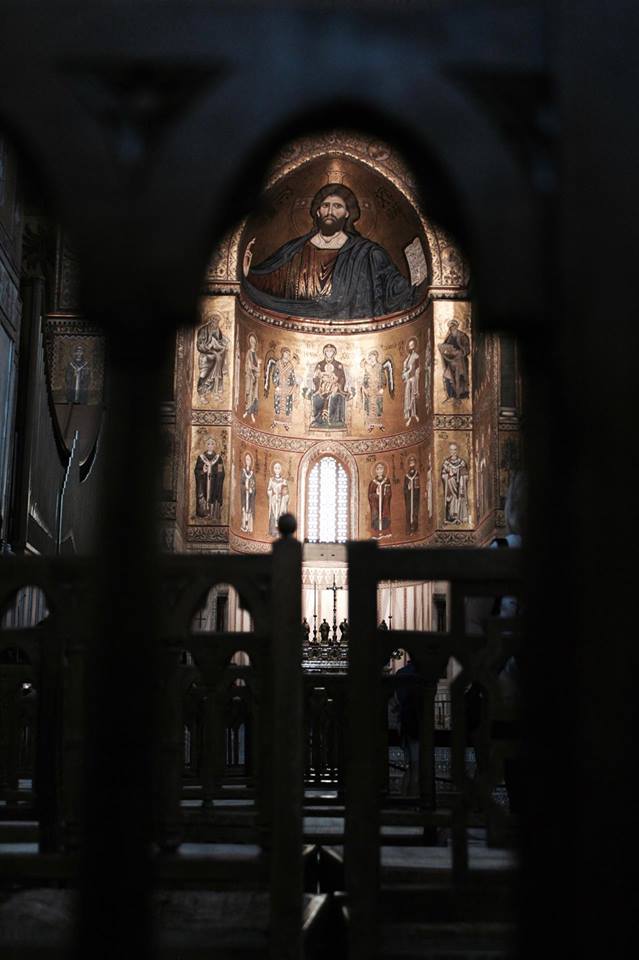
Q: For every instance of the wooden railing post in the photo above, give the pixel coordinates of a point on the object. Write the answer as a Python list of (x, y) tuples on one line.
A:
[(287, 727), (361, 840)]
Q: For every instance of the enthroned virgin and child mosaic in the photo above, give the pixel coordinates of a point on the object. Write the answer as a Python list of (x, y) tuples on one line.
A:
[(344, 387)]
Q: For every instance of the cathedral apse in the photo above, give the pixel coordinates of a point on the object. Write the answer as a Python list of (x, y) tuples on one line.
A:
[(334, 325)]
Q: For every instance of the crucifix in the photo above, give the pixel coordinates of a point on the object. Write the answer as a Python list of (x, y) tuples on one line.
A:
[(334, 588)]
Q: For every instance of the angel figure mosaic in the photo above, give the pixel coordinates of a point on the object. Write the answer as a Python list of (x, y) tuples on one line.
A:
[(376, 378), (279, 374)]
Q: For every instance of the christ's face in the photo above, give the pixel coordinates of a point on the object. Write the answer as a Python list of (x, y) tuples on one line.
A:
[(331, 215)]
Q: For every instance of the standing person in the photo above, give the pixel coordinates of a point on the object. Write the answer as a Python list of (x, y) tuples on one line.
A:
[(212, 347), (455, 480), (251, 378), (247, 495), (278, 496), (376, 378), (379, 500), (410, 376), (281, 373), (410, 695), (411, 496), (324, 630), (454, 351), (209, 482), (77, 377)]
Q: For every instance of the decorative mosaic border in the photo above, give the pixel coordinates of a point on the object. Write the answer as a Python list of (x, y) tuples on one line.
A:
[(454, 538), (207, 534), (453, 421), (240, 545), (211, 418), (356, 446), (329, 327)]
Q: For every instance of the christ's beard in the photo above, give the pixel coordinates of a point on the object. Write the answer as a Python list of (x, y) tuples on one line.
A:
[(329, 226)]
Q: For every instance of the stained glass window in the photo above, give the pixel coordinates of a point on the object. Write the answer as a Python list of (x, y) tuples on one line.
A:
[(327, 511)]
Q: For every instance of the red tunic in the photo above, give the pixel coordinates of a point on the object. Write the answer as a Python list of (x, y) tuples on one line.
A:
[(307, 275)]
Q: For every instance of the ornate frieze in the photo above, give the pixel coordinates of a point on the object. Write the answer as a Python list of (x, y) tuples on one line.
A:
[(453, 421), (324, 577), (454, 538), (211, 418), (509, 423), (207, 534), (72, 325), (301, 445), (332, 327), (241, 545), (447, 293)]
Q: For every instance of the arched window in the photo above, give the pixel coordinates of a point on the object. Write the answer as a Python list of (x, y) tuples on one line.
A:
[(327, 504)]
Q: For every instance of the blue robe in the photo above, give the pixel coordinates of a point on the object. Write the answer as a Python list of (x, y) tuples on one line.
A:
[(365, 283)]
